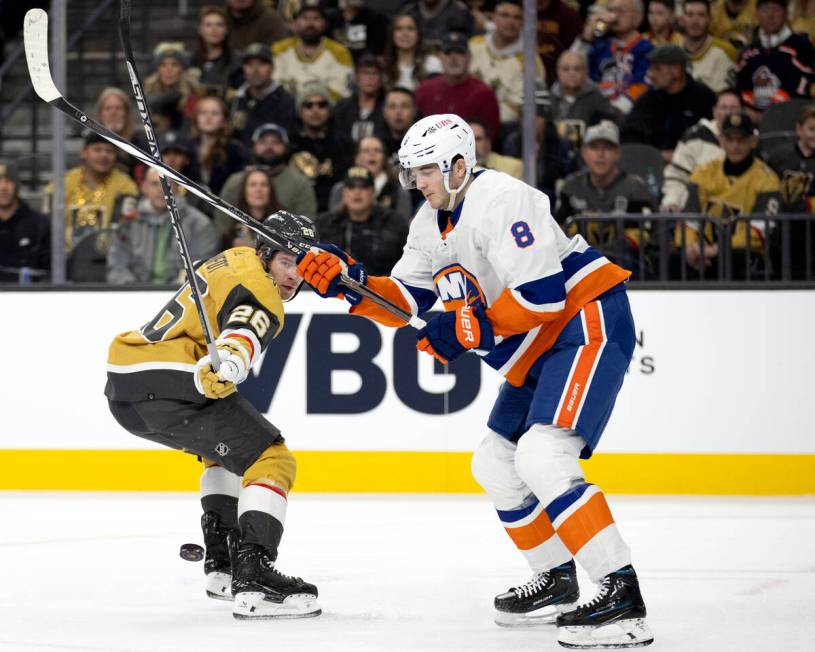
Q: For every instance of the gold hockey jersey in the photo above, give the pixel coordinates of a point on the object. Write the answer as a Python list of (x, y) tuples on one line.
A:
[(158, 360)]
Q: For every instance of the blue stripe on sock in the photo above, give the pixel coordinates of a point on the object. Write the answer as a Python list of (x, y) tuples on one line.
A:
[(524, 509), (565, 500)]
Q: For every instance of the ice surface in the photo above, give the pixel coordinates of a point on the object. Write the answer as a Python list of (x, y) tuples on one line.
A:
[(101, 572)]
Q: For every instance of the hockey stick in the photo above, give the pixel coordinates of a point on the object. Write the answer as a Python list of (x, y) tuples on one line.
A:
[(35, 36), (175, 219)]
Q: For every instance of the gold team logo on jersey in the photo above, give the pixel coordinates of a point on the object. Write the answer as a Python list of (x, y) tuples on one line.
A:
[(795, 186)]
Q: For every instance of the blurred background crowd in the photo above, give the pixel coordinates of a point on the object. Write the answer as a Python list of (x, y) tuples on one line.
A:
[(678, 137)]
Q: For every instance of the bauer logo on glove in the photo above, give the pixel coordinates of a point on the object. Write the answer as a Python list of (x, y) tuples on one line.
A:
[(450, 334)]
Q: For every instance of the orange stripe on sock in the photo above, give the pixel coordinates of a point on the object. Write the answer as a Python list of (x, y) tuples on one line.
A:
[(532, 534), (577, 385), (577, 530)]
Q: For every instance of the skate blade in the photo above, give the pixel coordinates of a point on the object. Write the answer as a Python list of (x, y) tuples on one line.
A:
[(543, 616), (219, 586), (633, 632), (251, 605)]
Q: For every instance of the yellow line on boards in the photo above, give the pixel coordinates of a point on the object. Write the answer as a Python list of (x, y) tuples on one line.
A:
[(409, 472)]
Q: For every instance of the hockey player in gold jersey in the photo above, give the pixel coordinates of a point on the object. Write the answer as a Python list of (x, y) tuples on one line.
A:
[(162, 386)]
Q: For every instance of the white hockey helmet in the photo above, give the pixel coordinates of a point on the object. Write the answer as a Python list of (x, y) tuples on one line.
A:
[(437, 139)]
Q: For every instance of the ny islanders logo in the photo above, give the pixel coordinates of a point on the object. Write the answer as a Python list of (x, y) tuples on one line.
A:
[(458, 287)]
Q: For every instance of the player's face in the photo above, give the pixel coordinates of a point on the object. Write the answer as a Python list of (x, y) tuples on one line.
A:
[(430, 182), (405, 33), (283, 269), (737, 146), (806, 133), (696, 19)]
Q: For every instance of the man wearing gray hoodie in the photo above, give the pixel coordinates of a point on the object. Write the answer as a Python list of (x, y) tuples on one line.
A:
[(576, 103), (144, 249)]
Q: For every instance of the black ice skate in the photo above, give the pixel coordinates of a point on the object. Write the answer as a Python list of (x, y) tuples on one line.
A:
[(221, 544), (540, 600), (615, 618), (261, 591)]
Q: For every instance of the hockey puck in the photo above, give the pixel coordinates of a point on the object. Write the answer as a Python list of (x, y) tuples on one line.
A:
[(191, 552)]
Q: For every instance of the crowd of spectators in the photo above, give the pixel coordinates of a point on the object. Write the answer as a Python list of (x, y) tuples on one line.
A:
[(302, 104)]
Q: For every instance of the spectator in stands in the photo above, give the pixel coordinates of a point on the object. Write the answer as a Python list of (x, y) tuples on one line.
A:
[(662, 23), (555, 157), (604, 189), (485, 157), (575, 100), (497, 59), (360, 28), (372, 234), (94, 191), (740, 184), (481, 12), (311, 56), (321, 153), (437, 18), (253, 21), (177, 152), (214, 152), (170, 63), (407, 60), (144, 248), (699, 145), (618, 63), (457, 91), (558, 27), (213, 61), (802, 17), (260, 99), (676, 102), (294, 192), (778, 64), (257, 199), (733, 21), (794, 163), (712, 61), (388, 192), (360, 115), (113, 112), (399, 112), (25, 234)]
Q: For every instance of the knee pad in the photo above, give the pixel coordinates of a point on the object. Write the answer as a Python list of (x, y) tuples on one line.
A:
[(493, 468), (276, 465), (547, 460)]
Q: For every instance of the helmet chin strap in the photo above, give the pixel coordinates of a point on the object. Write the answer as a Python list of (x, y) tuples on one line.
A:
[(454, 192)]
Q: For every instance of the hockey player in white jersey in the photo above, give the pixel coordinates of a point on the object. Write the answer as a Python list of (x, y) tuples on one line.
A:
[(551, 314)]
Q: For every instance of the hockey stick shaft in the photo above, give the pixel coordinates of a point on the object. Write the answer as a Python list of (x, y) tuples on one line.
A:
[(35, 35), (175, 219)]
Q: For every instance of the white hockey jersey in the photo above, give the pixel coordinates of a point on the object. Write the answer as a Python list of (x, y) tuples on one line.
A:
[(501, 249)]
